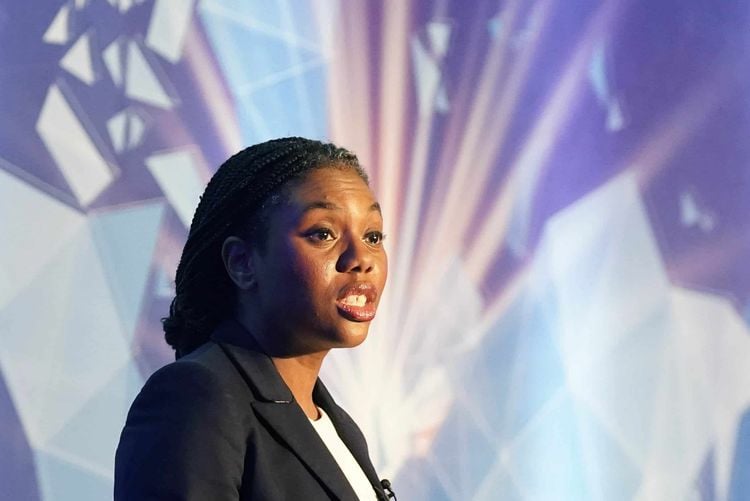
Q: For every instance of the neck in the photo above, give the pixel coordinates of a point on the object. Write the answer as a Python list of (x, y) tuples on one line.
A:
[(300, 374), (298, 369)]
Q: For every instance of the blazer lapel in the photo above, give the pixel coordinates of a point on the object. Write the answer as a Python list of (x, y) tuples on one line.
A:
[(275, 405), (350, 434), (293, 427)]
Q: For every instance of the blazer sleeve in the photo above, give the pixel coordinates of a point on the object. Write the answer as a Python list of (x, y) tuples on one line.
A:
[(183, 439)]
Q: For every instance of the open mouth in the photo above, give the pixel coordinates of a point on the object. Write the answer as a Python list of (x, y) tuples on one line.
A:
[(357, 302)]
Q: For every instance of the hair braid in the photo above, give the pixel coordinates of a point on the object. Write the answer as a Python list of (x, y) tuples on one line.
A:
[(234, 198)]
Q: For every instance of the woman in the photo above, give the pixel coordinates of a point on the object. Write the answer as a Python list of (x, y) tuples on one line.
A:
[(284, 261)]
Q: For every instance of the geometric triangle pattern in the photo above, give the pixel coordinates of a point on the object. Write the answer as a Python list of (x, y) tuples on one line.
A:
[(67, 373), (169, 23), (113, 59), (77, 152), (126, 130), (55, 226), (78, 60), (61, 479), (125, 239), (177, 174), (124, 5), (57, 32), (142, 82), (72, 372), (89, 438), (631, 417), (17, 466), (117, 128)]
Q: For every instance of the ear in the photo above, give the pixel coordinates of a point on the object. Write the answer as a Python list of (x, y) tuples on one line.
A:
[(237, 257)]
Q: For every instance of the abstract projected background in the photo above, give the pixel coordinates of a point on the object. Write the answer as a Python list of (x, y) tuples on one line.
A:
[(567, 191)]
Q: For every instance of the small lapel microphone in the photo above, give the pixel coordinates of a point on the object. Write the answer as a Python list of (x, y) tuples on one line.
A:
[(387, 488)]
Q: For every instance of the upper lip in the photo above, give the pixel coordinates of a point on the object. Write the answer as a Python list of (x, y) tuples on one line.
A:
[(359, 288)]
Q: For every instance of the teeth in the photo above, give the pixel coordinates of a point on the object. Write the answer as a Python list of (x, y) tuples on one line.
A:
[(358, 300)]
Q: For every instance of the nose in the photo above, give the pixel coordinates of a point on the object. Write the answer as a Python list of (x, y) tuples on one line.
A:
[(356, 257)]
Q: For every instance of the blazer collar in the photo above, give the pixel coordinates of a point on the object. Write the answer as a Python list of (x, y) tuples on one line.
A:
[(255, 367), (275, 404)]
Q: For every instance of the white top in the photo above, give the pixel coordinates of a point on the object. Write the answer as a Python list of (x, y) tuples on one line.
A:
[(353, 472)]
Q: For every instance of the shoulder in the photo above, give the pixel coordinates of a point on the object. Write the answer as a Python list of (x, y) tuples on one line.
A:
[(203, 384), (204, 368), (189, 422)]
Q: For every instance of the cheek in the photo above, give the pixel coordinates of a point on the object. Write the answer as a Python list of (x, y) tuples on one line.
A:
[(324, 278), (313, 274)]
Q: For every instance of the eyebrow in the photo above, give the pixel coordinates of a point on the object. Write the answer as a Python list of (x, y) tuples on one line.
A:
[(330, 206)]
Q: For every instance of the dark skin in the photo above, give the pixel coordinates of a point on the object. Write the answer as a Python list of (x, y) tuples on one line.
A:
[(315, 283)]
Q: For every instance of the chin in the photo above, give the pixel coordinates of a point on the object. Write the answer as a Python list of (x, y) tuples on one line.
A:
[(351, 337)]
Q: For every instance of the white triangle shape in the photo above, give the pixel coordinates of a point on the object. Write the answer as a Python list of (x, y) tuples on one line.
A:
[(116, 128), (176, 173), (57, 33), (77, 61), (113, 61), (125, 239), (169, 23), (141, 83), (136, 128)]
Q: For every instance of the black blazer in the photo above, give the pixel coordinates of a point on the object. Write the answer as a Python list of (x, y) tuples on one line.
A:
[(220, 424)]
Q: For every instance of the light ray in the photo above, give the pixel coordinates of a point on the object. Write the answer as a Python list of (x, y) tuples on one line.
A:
[(350, 108), (393, 87), (218, 103), (410, 224), (390, 152), (454, 171), (427, 260), (251, 24), (304, 95), (671, 133), (274, 78), (526, 170), (349, 86), (76, 461), (410, 219)]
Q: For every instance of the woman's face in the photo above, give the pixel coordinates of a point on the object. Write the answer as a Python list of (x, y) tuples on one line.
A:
[(321, 272)]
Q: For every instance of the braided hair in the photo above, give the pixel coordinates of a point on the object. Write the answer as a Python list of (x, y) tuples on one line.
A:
[(238, 196)]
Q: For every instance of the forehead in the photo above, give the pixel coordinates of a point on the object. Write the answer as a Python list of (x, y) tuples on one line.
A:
[(330, 184)]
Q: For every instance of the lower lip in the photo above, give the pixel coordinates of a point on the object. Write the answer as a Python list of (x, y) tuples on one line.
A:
[(357, 313)]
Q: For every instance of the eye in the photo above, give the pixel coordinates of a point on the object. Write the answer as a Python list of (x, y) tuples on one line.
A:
[(374, 237), (321, 235)]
